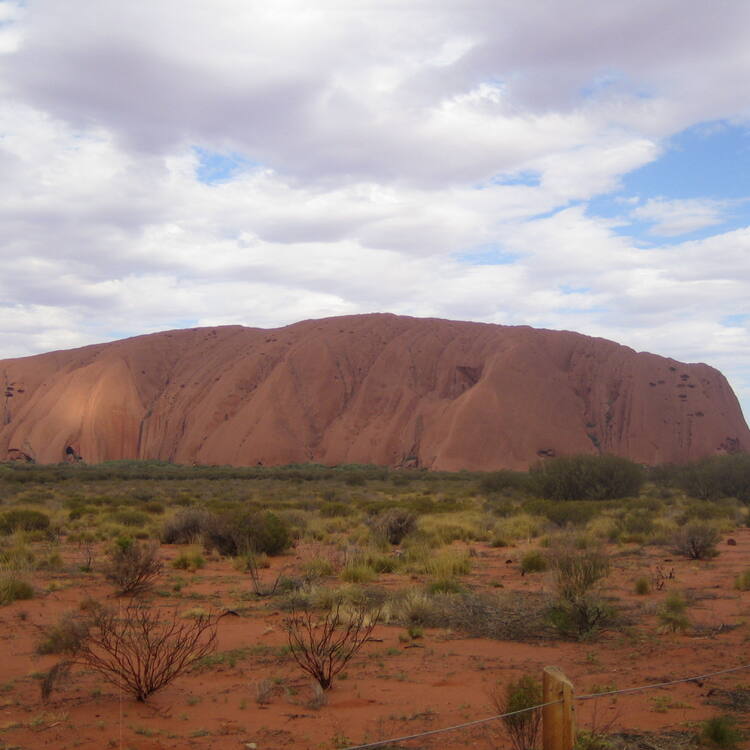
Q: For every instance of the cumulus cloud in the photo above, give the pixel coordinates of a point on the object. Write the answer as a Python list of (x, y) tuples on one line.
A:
[(418, 157)]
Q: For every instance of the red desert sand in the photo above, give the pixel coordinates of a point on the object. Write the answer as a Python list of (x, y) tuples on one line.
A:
[(392, 687)]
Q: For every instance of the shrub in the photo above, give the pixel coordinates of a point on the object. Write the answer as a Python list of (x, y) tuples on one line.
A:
[(411, 607), (130, 517), (569, 513), (318, 567), (579, 610), (523, 728), (139, 651), (673, 616), (714, 477), (13, 588), (742, 582), (323, 648), (132, 567), (357, 572), (503, 481), (721, 731), (533, 562), (393, 524), (587, 478), (448, 564), (642, 586), (186, 526), (23, 520), (240, 533), (335, 510), (191, 561), (697, 541), (65, 636), (444, 586)]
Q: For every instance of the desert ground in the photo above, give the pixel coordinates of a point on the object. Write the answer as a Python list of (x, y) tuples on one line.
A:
[(463, 612)]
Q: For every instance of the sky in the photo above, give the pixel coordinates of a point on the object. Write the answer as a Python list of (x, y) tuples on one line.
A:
[(564, 164)]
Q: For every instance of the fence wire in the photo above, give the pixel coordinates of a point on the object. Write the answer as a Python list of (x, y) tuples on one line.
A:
[(474, 723), (587, 697)]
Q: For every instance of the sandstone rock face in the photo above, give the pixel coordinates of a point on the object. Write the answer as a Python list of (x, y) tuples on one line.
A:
[(379, 389)]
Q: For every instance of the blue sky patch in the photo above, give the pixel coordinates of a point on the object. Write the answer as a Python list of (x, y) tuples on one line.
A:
[(488, 255), (708, 162), (215, 167)]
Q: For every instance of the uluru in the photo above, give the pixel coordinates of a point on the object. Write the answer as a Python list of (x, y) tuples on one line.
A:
[(377, 389)]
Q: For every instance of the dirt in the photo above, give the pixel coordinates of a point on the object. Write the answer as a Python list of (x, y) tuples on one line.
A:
[(397, 685)]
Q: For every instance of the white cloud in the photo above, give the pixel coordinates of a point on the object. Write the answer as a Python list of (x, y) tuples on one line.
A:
[(675, 217), (381, 135)]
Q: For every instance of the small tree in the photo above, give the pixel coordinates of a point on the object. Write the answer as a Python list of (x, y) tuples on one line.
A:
[(323, 648), (139, 650), (133, 567)]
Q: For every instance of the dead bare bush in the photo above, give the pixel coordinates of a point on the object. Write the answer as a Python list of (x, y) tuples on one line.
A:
[(138, 649), (261, 589), (324, 644)]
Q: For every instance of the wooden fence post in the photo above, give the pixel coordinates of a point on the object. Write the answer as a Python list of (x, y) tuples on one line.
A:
[(558, 721)]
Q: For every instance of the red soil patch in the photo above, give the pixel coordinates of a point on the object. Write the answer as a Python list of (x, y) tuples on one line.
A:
[(392, 688)]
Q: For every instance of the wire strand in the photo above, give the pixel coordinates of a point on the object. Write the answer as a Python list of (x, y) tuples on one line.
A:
[(474, 723), (591, 696)]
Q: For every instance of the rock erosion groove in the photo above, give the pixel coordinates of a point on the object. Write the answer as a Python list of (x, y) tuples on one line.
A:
[(377, 388)]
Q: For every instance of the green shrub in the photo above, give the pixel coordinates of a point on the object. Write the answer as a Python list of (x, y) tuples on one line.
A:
[(587, 478), (191, 561), (721, 731), (713, 477), (503, 481), (742, 582), (318, 567), (570, 513), (697, 541), (133, 567), (65, 636), (636, 525), (238, 533), (23, 520), (534, 562), (13, 588), (357, 573), (130, 517), (335, 510), (578, 609), (393, 524), (642, 586), (448, 564), (673, 615), (186, 526), (445, 586), (523, 728)]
